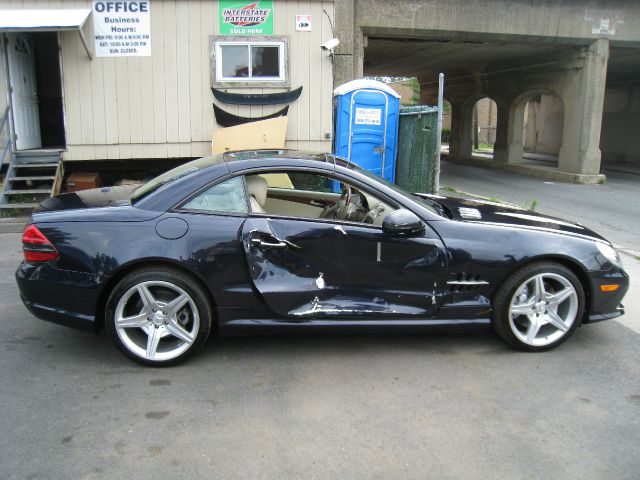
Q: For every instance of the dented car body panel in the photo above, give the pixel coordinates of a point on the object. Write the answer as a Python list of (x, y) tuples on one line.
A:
[(266, 272), (332, 270)]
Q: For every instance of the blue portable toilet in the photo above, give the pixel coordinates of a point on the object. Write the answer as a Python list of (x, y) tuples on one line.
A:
[(366, 120)]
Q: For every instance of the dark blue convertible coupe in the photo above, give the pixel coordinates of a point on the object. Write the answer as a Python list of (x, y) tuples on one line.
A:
[(285, 241)]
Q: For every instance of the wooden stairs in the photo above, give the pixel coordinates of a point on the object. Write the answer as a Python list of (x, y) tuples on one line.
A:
[(32, 175)]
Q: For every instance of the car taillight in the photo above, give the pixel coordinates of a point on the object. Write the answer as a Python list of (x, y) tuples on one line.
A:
[(37, 247)]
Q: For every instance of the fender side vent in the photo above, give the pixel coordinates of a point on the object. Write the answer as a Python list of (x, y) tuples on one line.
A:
[(464, 282), (470, 213)]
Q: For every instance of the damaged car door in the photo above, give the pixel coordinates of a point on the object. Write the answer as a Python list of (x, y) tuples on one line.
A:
[(308, 268)]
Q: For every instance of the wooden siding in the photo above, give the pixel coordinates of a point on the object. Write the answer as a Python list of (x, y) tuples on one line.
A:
[(161, 106)]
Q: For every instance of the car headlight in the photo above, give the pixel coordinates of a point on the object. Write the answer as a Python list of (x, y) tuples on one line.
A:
[(609, 253)]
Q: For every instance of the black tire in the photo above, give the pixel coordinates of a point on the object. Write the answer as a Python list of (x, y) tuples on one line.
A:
[(197, 313), (507, 291)]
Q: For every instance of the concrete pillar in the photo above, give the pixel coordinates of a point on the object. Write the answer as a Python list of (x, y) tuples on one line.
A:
[(583, 96), (359, 42), (429, 92), (343, 61), (461, 140), (509, 146)]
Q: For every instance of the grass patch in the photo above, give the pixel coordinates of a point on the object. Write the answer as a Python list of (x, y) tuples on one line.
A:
[(13, 212)]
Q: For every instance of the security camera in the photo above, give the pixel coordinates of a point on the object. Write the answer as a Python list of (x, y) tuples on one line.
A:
[(330, 45)]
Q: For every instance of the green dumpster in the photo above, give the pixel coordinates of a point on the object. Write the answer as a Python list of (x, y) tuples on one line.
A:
[(417, 142)]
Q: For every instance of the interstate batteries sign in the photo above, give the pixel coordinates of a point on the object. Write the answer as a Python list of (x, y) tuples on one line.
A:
[(122, 29), (246, 18)]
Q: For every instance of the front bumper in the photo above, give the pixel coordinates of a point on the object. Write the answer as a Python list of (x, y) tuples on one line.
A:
[(606, 305), (599, 317)]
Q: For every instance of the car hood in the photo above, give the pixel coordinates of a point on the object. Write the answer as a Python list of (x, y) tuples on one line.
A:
[(479, 211), (95, 197)]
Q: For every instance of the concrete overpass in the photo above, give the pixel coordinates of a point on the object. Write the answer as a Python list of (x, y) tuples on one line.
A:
[(586, 53)]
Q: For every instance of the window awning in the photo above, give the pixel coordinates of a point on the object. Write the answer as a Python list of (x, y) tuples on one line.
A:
[(46, 20)]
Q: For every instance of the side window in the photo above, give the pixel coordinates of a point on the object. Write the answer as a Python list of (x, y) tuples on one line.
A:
[(227, 196), (313, 182), (313, 195)]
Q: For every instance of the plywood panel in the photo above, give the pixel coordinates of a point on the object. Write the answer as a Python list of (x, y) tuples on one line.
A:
[(264, 134)]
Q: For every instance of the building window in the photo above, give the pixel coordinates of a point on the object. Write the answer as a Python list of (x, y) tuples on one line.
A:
[(250, 61)]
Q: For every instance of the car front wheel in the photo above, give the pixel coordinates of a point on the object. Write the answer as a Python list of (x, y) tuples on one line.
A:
[(158, 316), (539, 306)]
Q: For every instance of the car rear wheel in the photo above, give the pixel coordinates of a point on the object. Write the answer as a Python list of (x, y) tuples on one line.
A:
[(539, 306), (158, 316)]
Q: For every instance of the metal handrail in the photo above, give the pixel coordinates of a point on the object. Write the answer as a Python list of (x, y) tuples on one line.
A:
[(5, 116), (7, 147), (7, 143)]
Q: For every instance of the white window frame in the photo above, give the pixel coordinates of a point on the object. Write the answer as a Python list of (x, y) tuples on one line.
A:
[(280, 42)]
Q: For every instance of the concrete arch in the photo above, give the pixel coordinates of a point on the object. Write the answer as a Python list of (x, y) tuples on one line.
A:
[(462, 124), (516, 122), (530, 93)]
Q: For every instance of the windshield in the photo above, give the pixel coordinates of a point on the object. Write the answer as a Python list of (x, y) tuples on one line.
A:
[(433, 207), (175, 173)]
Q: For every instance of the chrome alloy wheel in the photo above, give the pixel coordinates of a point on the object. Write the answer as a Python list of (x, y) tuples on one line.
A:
[(157, 320), (543, 309)]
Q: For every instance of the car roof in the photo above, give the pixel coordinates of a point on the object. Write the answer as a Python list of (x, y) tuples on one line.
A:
[(283, 153), (241, 159)]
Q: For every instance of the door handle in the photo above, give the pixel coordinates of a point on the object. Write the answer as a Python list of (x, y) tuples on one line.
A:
[(262, 243), (316, 203)]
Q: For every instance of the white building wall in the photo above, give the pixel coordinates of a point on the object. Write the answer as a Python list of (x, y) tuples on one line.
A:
[(161, 106)]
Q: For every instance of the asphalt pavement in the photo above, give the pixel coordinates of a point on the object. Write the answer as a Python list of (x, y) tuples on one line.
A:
[(345, 407), (360, 406)]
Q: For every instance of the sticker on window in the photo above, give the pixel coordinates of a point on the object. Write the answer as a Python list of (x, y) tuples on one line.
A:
[(368, 116)]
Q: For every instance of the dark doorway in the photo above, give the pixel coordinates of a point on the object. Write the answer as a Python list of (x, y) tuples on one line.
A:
[(49, 84)]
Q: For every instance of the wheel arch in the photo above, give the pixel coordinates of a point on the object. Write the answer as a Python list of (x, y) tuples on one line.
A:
[(134, 265), (571, 263)]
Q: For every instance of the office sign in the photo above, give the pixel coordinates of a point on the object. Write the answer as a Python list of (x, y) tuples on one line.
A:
[(245, 18), (122, 28)]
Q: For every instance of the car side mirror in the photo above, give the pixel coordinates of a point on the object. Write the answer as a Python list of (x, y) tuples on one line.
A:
[(402, 222)]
